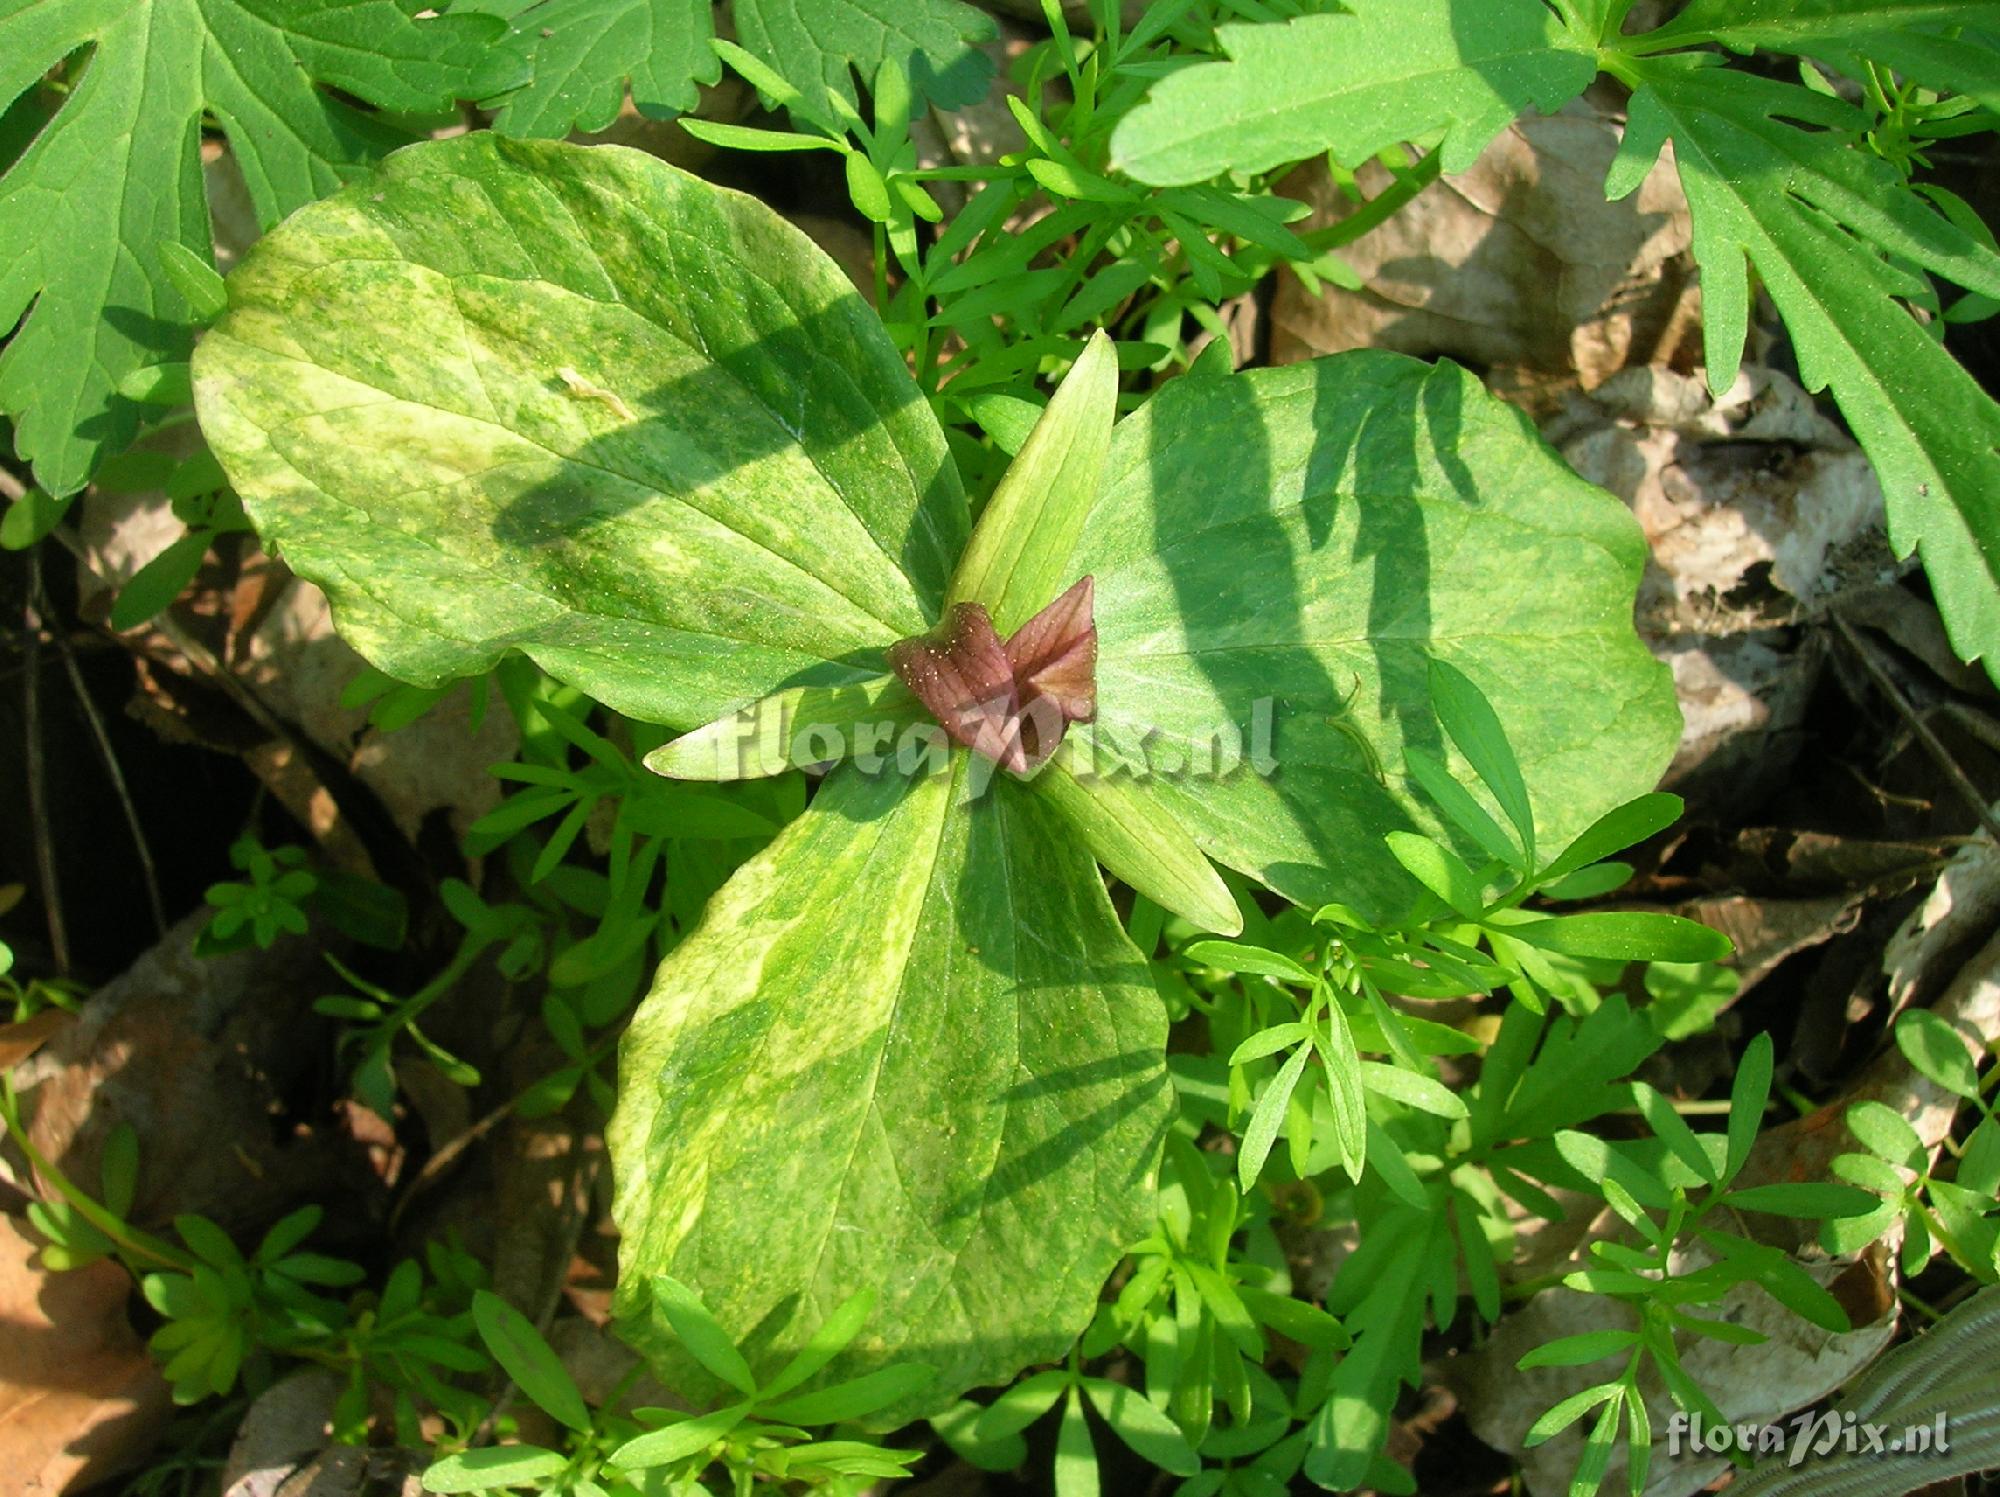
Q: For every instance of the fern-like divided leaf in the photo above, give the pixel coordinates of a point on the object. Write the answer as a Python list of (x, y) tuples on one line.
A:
[(1381, 72), (1945, 44), (581, 54), (116, 173), (1833, 235)]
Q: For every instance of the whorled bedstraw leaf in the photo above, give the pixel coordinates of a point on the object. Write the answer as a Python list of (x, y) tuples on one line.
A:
[(521, 395), (1831, 231), (1355, 82), (582, 55), (117, 172), (1279, 555), (909, 1048)]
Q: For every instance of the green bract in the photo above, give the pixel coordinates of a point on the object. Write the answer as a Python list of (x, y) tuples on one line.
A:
[(572, 402)]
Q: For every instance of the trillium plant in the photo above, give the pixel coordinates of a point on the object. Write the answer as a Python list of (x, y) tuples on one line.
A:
[(509, 396)]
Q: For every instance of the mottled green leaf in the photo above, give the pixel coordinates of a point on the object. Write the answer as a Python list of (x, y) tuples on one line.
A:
[(1354, 83), (117, 173), (1280, 554), (572, 401), (909, 1048)]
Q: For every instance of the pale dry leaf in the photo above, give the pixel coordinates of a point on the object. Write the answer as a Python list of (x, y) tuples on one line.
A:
[(23, 1038), (1765, 931), (299, 667), (1518, 262), (197, 1055), (286, 1425), (1743, 700), (1962, 907), (79, 1398), (1760, 515)]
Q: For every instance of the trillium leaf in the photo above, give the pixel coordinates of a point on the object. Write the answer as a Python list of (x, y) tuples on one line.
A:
[(1279, 556), (909, 1049), (572, 401)]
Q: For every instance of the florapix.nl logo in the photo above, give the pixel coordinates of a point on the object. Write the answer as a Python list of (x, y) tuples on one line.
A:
[(1806, 1436)]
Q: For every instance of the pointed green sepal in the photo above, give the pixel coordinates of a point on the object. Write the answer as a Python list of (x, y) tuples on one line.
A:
[(804, 727), (1018, 557), (1137, 838)]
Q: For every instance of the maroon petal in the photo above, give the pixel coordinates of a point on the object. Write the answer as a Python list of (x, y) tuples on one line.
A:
[(1054, 656), (960, 672)]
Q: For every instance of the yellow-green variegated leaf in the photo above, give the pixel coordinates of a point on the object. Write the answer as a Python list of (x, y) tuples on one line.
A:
[(511, 394), (1278, 556), (909, 1049)]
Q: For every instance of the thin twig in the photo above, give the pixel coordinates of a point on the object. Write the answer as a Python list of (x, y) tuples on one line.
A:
[(196, 653), (38, 790), (1933, 745), (147, 868), (445, 1157), (579, 1187), (582, 1174)]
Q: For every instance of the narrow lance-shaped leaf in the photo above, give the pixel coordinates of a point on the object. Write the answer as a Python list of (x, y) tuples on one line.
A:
[(526, 1358), (1805, 25), (1138, 840), (1030, 526), (514, 395)]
